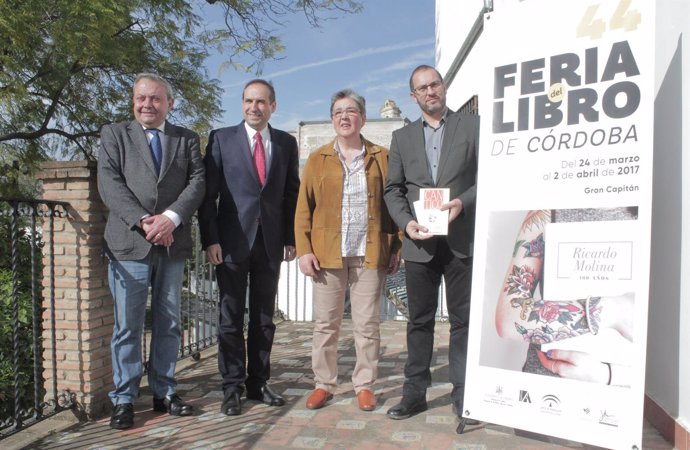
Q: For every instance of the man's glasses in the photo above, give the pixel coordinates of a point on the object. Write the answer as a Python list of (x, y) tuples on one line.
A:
[(338, 113), (421, 90)]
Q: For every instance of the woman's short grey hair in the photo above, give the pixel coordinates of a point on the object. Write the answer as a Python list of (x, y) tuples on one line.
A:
[(349, 93), (157, 79)]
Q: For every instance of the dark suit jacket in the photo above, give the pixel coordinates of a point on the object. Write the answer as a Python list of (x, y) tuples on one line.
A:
[(130, 188), (408, 172), (242, 202)]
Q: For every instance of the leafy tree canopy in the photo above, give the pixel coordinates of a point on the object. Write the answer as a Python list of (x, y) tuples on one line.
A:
[(67, 66)]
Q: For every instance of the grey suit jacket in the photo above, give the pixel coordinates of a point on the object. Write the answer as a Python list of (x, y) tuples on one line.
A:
[(236, 203), (130, 188), (408, 172)]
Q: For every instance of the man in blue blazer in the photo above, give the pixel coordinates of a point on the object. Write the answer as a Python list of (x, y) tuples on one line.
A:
[(151, 178), (439, 150), (247, 229)]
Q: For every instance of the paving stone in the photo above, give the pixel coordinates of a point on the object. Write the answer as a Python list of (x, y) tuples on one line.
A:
[(351, 425), (406, 436), (162, 431), (290, 376), (339, 425), (308, 442), (297, 392)]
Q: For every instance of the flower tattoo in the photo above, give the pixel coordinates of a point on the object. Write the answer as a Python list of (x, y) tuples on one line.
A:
[(521, 281), (552, 320), (534, 248)]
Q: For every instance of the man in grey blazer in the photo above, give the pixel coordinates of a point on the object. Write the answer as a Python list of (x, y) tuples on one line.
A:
[(151, 178), (247, 229), (439, 150)]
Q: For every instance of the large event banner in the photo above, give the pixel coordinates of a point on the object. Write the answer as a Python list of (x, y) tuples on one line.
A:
[(561, 268)]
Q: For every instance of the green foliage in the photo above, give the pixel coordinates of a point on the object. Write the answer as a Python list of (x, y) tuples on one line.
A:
[(24, 324), (67, 66), (16, 180)]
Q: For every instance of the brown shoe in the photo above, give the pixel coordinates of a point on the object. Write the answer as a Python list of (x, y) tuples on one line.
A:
[(366, 400), (318, 398)]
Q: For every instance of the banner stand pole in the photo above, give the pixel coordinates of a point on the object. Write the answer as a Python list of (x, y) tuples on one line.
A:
[(461, 426)]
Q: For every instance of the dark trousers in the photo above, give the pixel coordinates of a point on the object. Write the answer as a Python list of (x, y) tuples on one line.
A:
[(261, 275), (423, 281)]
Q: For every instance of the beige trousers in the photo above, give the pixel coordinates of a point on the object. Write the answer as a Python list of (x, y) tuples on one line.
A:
[(329, 299)]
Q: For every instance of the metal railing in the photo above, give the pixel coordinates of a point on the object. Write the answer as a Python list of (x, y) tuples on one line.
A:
[(199, 312), (25, 247), (293, 300), (199, 306)]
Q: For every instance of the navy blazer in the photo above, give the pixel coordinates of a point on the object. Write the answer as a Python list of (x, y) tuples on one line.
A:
[(235, 203), (408, 172)]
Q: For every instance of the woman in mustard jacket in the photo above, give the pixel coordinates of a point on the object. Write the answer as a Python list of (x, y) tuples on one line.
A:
[(345, 238)]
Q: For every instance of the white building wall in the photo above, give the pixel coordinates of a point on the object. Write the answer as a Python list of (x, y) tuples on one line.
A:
[(453, 20), (312, 135), (668, 354), (457, 16)]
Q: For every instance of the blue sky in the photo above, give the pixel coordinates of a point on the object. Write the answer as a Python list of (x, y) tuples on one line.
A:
[(372, 52)]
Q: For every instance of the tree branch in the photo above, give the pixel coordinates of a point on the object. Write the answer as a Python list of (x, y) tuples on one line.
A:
[(43, 131)]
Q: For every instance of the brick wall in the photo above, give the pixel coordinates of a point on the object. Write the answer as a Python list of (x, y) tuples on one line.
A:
[(82, 301)]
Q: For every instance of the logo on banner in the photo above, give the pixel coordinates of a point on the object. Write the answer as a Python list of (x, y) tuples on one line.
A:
[(608, 419), (497, 398), (550, 400), (551, 404), (589, 415), (524, 397)]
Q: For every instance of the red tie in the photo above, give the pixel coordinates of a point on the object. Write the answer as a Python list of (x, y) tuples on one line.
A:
[(260, 158)]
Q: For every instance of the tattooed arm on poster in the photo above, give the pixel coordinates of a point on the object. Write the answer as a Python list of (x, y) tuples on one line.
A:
[(523, 316)]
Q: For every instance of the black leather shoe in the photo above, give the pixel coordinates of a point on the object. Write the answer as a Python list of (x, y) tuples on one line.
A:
[(231, 404), (407, 407), (266, 395), (173, 405), (123, 416)]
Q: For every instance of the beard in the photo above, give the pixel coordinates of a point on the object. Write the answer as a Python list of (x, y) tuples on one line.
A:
[(434, 108)]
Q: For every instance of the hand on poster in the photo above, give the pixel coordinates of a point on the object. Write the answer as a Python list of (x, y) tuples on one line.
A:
[(584, 367), (574, 364)]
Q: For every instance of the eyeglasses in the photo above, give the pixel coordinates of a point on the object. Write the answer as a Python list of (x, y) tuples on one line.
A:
[(338, 113), (421, 90)]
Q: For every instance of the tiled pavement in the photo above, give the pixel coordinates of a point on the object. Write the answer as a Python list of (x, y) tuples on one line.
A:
[(340, 425)]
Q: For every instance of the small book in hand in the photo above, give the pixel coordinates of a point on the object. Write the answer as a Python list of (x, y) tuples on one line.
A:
[(428, 212)]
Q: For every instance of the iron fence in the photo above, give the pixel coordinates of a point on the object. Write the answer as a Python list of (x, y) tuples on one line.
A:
[(199, 305), (199, 312), (25, 247), (27, 244)]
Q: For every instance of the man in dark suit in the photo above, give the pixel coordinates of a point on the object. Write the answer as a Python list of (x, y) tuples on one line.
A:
[(439, 150), (151, 178), (253, 171)]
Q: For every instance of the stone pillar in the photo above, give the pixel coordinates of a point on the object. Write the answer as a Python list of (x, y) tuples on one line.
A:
[(83, 305)]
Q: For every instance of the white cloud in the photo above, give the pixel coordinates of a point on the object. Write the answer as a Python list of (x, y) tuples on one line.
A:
[(386, 87), (353, 55), (406, 64), (315, 102)]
